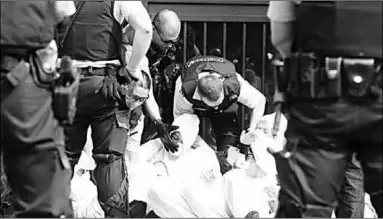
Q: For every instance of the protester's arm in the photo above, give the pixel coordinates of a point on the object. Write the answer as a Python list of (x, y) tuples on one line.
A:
[(253, 99), (137, 16), (282, 15), (181, 105)]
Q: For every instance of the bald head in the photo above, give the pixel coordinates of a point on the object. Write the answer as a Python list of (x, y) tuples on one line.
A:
[(168, 23)]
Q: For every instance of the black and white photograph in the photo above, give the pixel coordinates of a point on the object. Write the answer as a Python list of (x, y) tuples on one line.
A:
[(191, 109)]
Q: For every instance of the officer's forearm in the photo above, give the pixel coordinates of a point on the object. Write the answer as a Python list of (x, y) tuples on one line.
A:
[(140, 46), (282, 37), (257, 113), (152, 108)]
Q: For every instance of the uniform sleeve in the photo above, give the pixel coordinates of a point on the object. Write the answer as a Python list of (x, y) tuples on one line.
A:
[(281, 11), (249, 96), (123, 9), (181, 105)]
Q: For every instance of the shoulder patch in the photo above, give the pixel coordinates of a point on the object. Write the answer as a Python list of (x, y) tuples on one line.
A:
[(205, 59)]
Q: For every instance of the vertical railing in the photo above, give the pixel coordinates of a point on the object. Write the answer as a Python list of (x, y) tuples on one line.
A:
[(264, 57), (224, 43), (243, 67), (185, 34)]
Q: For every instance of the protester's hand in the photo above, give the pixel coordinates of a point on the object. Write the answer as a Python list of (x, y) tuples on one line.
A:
[(232, 155), (164, 130), (110, 88), (248, 137)]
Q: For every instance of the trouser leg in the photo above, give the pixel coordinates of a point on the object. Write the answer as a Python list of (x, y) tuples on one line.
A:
[(371, 161), (310, 179), (110, 135), (226, 128), (35, 163), (351, 199)]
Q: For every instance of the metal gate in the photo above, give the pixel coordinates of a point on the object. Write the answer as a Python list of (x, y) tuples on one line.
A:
[(239, 29)]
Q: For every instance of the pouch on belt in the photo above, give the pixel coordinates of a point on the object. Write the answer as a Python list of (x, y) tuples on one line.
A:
[(360, 74), (65, 90), (17, 72)]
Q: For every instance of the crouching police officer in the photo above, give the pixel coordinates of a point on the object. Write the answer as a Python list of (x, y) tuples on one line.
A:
[(32, 137), (333, 57), (210, 87)]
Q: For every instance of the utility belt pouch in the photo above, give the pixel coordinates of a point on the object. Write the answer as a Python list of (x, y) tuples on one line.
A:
[(44, 71), (313, 79), (65, 92), (330, 85), (13, 73), (359, 75)]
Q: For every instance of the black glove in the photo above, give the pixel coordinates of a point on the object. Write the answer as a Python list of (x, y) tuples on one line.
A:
[(111, 88), (164, 134), (124, 76)]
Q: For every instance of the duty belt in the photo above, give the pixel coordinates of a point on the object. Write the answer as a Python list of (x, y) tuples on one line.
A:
[(312, 77), (93, 71)]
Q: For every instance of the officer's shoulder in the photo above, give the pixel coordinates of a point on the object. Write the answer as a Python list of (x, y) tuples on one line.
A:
[(200, 59)]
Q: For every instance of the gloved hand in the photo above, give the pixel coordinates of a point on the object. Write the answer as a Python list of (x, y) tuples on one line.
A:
[(164, 131), (126, 77), (110, 88), (247, 137)]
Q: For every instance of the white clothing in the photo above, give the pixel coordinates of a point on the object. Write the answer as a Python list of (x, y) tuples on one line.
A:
[(83, 191), (141, 171), (193, 187), (181, 184), (244, 194), (265, 160)]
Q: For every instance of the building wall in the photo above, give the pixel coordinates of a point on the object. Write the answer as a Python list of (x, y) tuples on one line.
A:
[(209, 10)]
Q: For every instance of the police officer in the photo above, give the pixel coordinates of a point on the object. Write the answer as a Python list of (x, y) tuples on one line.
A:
[(333, 54), (32, 139), (93, 38), (210, 87)]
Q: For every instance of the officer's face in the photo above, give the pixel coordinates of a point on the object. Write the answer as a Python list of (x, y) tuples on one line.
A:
[(137, 96), (162, 40)]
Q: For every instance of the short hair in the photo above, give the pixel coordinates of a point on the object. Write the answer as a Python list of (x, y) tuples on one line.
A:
[(145, 82), (210, 87)]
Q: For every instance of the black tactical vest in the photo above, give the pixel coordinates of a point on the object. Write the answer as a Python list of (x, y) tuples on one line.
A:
[(339, 28), (26, 24), (95, 34), (225, 68)]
